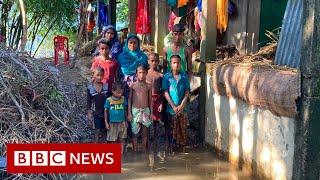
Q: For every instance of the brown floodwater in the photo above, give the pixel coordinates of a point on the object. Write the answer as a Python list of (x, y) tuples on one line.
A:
[(197, 164)]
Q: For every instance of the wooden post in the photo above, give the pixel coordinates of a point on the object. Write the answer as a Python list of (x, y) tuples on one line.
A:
[(207, 53), (208, 31), (252, 26), (160, 29), (81, 30), (112, 11), (132, 16), (306, 163)]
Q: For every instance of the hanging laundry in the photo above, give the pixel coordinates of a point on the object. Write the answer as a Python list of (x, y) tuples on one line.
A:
[(182, 3), (172, 3), (198, 16), (143, 25), (103, 15), (172, 18), (199, 5), (200, 19), (222, 15), (182, 11), (91, 22), (196, 19), (232, 10)]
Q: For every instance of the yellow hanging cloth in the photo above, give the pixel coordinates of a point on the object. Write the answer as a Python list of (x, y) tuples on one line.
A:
[(222, 15), (182, 3)]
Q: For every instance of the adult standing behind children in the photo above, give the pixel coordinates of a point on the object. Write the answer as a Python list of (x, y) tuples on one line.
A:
[(104, 61), (130, 58), (176, 88), (178, 48), (96, 97), (110, 33), (140, 107)]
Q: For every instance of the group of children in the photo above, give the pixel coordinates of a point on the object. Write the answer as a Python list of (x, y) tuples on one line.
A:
[(155, 106)]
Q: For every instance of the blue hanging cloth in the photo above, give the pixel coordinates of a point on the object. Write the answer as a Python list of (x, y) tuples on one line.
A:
[(199, 5), (172, 3), (232, 9), (103, 15)]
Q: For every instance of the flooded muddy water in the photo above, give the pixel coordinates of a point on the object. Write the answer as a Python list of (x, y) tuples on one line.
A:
[(197, 164)]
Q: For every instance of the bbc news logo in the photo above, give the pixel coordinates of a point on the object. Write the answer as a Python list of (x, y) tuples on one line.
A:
[(64, 158), (40, 158)]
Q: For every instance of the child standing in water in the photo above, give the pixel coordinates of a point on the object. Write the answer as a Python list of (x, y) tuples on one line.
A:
[(154, 78), (176, 88), (115, 115), (139, 107), (96, 97)]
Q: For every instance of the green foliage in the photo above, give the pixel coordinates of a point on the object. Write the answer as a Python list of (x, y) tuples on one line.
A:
[(123, 12), (55, 95), (47, 19), (63, 10), (58, 17)]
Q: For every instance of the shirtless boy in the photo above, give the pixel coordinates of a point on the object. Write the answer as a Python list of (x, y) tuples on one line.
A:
[(140, 107)]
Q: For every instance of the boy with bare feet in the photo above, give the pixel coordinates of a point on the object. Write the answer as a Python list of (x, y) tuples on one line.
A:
[(139, 108), (157, 131), (176, 88)]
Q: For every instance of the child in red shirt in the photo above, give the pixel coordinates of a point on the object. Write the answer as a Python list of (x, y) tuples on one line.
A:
[(104, 61)]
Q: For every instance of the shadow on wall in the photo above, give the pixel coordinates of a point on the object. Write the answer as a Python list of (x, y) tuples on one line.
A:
[(251, 138), (217, 129)]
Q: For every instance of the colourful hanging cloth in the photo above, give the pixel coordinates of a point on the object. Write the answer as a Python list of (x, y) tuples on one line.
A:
[(199, 5), (172, 17), (143, 25), (182, 3), (172, 3), (222, 15), (196, 19), (103, 15)]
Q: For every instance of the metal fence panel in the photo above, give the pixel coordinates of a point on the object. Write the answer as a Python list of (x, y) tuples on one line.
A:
[(289, 45)]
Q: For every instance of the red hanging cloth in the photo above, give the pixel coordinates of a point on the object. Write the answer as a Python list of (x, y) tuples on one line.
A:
[(143, 25)]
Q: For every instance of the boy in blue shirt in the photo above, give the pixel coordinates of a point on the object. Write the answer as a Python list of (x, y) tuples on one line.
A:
[(176, 87), (115, 115)]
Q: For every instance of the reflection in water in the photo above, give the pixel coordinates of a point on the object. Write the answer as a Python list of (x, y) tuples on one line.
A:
[(197, 164)]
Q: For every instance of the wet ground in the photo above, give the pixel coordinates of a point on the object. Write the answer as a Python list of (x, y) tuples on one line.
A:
[(197, 164)]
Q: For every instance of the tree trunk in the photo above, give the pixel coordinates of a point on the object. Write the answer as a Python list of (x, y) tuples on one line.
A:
[(97, 19), (87, 48), (6, 6), (81, 30), (18, 34), (14, 31), (12, 27), (34, 33), (24, 38), (112, 11)]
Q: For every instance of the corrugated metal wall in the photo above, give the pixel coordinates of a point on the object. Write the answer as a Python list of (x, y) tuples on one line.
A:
[(289, 45)]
